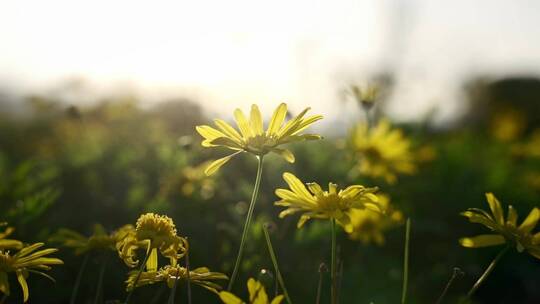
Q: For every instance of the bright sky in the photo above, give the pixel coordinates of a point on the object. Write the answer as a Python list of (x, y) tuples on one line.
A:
[(233, 53)]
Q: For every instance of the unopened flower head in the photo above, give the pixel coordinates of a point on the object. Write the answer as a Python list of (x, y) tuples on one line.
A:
[(504, 231), (382, 151), (152, 233), (367, 96), (252, 137), (317, 203)]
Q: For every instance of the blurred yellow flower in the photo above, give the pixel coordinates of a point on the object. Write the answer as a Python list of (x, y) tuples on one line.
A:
[(22, 263), (201, 276), (153, 232), (382, 151), (368, 226), (100, 240), (508, 124), (252, 138), (8, 243), (194, 179), (530, 148), (257, 295), (366, 96), (331, 204), (505, 231)]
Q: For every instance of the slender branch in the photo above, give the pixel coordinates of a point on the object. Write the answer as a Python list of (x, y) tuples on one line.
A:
[(333, 289), (248, 222), (188, 278), (275, 262), (173, 289), (143, 264), (78, 279), (487, 272), (99, 289), (406, 261), (455, 274), (322, 269)]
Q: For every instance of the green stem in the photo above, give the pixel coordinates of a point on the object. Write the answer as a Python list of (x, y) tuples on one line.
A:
[(173, 289), (99, 290), (188, 278), (406, 261), (333, 289), (78, 279), (248, 222), (322, 269), (456, 273), (143, 264), (275, 262), (487, 272)]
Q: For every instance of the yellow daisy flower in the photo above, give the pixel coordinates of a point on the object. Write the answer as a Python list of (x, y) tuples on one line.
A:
[(8, 243), (382, 151), (257, 295), (22, 263), (368, 226), (252, 138), (100, 240), (331, 204), (153, 232), (504, 231), (201, 276)]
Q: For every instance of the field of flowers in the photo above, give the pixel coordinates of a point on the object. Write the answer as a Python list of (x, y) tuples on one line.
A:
[(112, 203)]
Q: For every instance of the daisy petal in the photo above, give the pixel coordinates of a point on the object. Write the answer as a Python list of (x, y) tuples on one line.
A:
[(484, 240), (495, 207), (227, 129), (215, 165), (242, 123), (298, 187), (286, 154), (277, 119), (209, 132), (255, 120), (530, 222)]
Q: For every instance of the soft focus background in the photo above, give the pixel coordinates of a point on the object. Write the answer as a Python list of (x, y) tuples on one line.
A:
[(99, 100)]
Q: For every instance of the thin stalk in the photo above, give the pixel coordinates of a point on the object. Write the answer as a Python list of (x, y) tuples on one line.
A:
[(406, 261), (248, 222), (275, 262), (333, 289), (322, 269), (188, 278), (158, 295), (487, 272), (173, 289), (339, 276), (368, 117), (99, 290), (138, 277), (455, 274), (78, 279)]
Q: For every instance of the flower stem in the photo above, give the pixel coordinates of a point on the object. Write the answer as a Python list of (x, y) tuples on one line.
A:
[(487, 272), (322, 269), (406, 261), (173, 289), (137, 277), (188, 279), (99, 289), (247, 223), (275, 262), (456, 273), (333, 289), (78, 279)]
